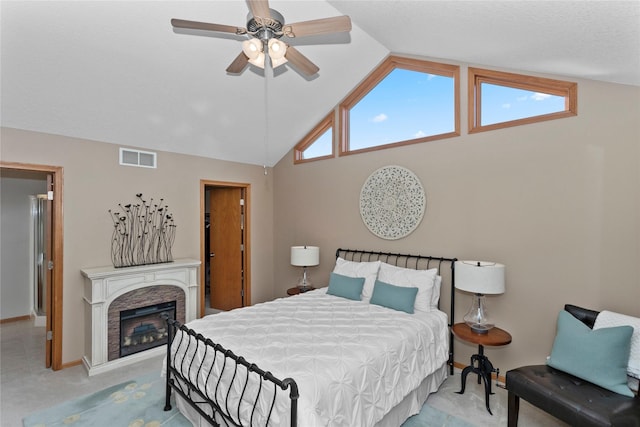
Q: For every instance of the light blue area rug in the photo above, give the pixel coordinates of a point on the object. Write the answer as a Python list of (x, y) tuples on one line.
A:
[(140, 403), (136, 403), (432, 417)]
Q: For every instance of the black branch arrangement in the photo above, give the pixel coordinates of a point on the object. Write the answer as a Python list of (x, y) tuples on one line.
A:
[(143, 233)]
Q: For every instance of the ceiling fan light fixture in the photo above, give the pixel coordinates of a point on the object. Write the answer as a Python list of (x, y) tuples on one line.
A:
[(258, 61), (265, 26), (277, 51), (252, 48), (275, 63)]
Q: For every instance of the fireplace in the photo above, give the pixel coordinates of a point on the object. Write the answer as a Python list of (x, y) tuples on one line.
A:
[(142, 299), (108, 291), (143, 328)]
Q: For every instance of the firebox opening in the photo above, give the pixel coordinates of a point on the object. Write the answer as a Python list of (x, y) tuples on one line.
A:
[(143, 328)]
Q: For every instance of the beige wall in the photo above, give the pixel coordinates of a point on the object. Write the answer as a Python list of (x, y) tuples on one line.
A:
[(558, 202), (94, 183)]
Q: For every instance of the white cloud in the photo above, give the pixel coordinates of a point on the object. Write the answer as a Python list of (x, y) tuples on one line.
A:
[(540, 96), (419, 134), (506, 106), (379, 118), (521, 98)]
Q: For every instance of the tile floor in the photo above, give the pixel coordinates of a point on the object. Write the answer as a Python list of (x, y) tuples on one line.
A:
[(26, 386)]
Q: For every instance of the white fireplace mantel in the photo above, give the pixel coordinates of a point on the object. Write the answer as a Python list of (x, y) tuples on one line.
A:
[(102, 285)]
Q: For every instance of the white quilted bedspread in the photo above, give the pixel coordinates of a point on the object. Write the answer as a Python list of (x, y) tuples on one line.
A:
[(352, 361)]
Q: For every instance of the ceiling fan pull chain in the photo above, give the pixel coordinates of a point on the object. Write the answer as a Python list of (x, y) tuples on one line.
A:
[(266, 118)]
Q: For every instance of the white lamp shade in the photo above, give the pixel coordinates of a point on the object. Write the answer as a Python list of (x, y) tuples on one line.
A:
[(277, 49), (480, 277), (275, 63), (253, 49), (259, 61), (305, 256)]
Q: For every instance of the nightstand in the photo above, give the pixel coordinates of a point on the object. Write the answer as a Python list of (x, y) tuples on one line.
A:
[(296, 290), (480, 363)]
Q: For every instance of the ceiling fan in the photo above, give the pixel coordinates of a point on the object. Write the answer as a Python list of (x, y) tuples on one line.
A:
[(265, 28)]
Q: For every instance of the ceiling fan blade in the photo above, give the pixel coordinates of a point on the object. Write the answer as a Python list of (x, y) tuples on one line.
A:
[(238, 64), (195, 25), (301, 62), (259, 8), (336, 24)]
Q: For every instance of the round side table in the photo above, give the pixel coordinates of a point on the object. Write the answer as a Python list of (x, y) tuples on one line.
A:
[(296, 290), (480, 363)]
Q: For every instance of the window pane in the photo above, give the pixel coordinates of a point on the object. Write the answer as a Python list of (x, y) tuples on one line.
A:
[(321, 146), (502, 104), (405, 105)]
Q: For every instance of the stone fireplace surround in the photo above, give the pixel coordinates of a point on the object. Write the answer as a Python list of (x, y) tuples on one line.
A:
[(132, 287)]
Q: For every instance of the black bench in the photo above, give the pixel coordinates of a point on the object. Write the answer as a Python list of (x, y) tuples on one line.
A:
[(568, 398)]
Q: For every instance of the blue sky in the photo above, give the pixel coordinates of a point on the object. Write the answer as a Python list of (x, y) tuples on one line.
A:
[(408, 104), (501, 104), (405, 105)]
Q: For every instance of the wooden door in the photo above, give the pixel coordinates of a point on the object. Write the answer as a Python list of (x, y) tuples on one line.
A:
[(48, 268), (226, 248), (54, 283)]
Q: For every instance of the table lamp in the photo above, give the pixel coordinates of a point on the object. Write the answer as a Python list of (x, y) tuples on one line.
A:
[(305, 256), (480, 278)]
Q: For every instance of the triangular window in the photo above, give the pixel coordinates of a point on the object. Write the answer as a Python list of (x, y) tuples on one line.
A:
[(318, 144)]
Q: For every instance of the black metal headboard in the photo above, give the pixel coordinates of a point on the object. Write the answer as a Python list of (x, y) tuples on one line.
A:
[(445, 266)]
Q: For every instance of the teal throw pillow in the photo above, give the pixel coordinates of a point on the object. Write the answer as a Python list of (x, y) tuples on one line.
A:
[(396, 297), (345, 286), (599, 356)]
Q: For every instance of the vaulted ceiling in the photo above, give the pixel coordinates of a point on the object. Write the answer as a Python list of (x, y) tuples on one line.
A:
[(117, 72)]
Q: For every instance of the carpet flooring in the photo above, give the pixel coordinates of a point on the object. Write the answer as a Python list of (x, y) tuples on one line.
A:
[(27, 388)]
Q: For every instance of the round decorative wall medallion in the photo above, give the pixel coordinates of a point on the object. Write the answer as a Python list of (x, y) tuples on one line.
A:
[(392, 202)]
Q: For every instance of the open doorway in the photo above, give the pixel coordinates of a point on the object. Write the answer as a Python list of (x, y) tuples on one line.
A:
[(225, 246), (49, 278)]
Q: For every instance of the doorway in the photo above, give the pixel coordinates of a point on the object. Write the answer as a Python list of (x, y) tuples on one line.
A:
[(52, 256), (225, 246)]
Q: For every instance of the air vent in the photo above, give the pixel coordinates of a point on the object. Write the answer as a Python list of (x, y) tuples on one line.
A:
[(142, 159)]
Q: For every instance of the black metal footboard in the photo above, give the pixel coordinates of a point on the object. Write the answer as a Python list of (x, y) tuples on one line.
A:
[(217, 402)]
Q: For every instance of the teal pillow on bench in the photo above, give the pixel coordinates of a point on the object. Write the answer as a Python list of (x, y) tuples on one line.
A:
[(396, 297), (599, 356), (345, 286)]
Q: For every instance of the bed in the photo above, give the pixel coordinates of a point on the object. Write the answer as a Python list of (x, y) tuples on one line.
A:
[(321, 358)]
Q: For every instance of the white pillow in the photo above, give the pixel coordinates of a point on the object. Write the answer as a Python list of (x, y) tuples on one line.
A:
[(368, 270), (424, 280), (435, 297), (609, 319)]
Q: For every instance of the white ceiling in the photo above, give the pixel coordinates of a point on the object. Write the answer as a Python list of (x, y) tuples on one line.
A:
[(116, 71)]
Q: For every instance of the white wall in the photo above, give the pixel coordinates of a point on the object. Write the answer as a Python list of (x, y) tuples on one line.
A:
[(15, 263)]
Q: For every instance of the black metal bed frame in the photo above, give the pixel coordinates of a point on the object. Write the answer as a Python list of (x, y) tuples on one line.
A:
[(214, 409), (209, 406)]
